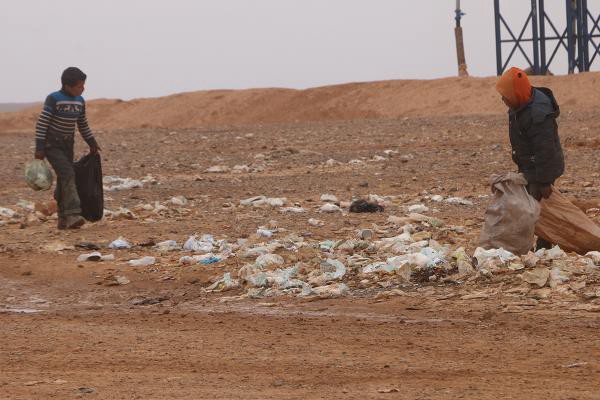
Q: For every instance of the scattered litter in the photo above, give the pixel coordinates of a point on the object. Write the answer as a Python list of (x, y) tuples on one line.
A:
[(203, 259), (530, 260), (179, 201), (58, 246), (205, 245), (188, 260), (267, 260), (259, 201), (122, 280), (554, 253), (365, 206), (115, 183), (365, 234), (483, 255), (538, 276), (393, 390), (217, 169), (142, 262), (121, 213), (8, 213), (264, 232), (459, 200), (26, 205), (95, 256), (252, 200), (558, 277), (120, 243), (330, 270), (210, 260), (463, 262), (418, 208), (315, 222), (87, 246), (329, 198), (167, 245), (238, 169), (149, 301), (576, 365), (594, 256), (437, 198), (329, 208), (328, 291), (294, 210), (223, 284)]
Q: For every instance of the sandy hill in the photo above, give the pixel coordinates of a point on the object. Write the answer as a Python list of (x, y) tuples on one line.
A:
[(11, 107), (385, 99)]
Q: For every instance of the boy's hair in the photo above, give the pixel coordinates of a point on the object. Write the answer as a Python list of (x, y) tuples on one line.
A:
[(71, 76)]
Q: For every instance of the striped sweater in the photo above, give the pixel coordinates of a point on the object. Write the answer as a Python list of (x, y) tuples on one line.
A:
[(59, 117)]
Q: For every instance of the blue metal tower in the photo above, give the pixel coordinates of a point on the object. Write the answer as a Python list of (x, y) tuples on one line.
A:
[(577, 39)]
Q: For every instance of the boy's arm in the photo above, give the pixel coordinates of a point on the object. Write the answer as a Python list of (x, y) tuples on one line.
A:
[(545, 150), (41, 128), (86, 132)]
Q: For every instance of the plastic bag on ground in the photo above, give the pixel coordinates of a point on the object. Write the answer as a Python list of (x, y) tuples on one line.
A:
[(510, 219), (38, 175), (88, 178), (329, 291), (562, 223), (199, 246), (142, 262), (120, 243)]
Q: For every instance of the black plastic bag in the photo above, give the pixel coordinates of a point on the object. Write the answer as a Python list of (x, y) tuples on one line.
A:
[(88, 178)]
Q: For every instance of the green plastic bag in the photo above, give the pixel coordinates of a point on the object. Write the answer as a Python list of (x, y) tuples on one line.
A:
[(38, 175)]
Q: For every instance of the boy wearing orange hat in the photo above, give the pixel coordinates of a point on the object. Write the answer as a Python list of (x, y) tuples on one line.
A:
[(533, 131)]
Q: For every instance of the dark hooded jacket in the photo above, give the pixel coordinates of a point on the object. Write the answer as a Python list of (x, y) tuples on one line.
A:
[(534, 138)]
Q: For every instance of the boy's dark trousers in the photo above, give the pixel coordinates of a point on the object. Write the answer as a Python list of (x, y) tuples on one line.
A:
[(59, 152)]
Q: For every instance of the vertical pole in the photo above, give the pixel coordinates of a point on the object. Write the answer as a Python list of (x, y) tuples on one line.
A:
[(580, 40), (535, 37), (571, 34), (585, 35), (498, 37), (542, 14), (460, 46)]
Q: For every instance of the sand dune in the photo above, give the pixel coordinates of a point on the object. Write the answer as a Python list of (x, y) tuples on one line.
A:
[(384, 99)]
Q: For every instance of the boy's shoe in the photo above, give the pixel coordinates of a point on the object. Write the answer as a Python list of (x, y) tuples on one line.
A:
[(70, 222)]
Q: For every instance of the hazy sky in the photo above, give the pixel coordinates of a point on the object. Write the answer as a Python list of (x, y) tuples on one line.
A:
[(141, 48)]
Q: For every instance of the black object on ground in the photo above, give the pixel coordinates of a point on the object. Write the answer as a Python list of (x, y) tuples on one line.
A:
[(364, 206)]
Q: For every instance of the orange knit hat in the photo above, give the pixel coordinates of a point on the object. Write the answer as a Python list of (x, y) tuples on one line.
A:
[(515, 86)]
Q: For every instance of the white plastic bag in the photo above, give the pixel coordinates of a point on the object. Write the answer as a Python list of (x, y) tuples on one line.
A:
[(38, 175)]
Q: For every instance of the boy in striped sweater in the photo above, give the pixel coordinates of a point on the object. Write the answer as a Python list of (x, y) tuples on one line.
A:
[(63, 112)]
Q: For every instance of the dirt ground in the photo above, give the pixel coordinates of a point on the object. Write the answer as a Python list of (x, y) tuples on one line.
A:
[(68, 331)]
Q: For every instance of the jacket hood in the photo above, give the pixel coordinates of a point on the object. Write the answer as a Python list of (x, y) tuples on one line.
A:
[(542, 105)]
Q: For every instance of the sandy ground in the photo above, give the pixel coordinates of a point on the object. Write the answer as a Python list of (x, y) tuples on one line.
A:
[(68, 331)]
